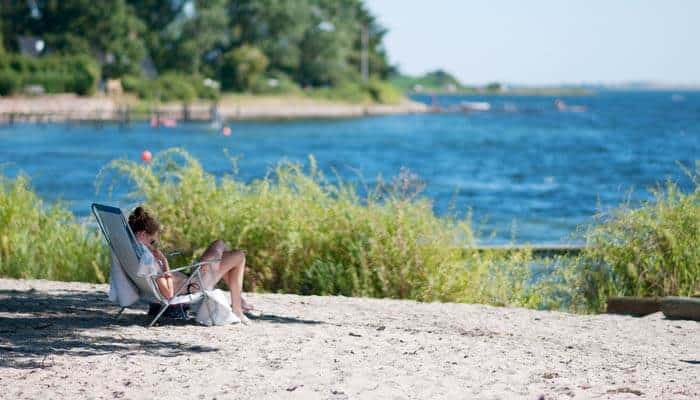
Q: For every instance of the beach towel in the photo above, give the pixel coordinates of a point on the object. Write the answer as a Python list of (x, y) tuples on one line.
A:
[(121, 289)]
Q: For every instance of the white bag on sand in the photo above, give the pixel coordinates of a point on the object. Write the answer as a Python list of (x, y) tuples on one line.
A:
[(215, 309)]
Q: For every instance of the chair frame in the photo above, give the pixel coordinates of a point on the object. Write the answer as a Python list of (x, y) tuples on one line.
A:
[(165, 303)]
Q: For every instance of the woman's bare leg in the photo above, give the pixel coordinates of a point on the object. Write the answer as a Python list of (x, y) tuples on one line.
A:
[(231, 269)]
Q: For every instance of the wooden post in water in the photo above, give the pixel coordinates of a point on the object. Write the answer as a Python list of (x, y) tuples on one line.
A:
[(185, 111), (214, 112)]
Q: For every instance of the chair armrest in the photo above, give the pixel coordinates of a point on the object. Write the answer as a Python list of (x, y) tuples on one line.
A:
[(195, 265)]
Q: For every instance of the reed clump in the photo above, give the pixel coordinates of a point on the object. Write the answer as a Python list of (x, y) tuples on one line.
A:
[(45, 242), (305, 235), (651, 250)]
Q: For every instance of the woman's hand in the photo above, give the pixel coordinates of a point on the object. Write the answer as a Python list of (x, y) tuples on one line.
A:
[(160, 258)]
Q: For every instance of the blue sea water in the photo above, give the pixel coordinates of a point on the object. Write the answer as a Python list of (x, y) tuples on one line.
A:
[(524, 169)]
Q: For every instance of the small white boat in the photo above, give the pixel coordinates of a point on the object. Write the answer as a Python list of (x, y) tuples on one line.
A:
[(475, 106), (677, 97), (561, 106)]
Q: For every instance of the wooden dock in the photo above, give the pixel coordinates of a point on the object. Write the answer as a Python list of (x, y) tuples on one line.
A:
[(538, 250)]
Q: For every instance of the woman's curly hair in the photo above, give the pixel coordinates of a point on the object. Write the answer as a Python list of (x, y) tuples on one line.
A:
[(140, 220)]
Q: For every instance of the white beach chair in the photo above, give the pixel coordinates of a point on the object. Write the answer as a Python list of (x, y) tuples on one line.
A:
[(122, 243)]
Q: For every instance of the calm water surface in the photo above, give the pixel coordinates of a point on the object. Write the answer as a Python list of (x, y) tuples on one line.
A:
[(524, 169)]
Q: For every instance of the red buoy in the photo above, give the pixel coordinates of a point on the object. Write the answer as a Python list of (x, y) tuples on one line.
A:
[(226, 131), (146, 156)]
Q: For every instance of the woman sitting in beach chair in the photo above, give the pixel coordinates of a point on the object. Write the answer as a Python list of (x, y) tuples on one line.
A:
[(230, 269)]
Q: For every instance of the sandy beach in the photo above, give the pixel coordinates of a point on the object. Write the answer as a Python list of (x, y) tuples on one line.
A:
[(69, 107), (59, 340)]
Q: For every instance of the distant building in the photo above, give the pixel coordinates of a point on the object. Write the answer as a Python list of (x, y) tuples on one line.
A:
[(30, 45)]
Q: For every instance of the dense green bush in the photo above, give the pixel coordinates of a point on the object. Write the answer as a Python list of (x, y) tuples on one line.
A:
[(143, 88), (242, 68), (45, 243), (384, 92), (170, 87), (343, 91), (206, 88), (10, 82), (56, 73), (175, 87), (86, 74), (275, 84), (372, 91)]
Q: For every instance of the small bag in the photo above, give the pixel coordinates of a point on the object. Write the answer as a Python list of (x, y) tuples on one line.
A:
[(214, 309)]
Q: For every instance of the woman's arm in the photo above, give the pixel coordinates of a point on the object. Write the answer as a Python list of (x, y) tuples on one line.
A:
[(165, 282), (165, 285)]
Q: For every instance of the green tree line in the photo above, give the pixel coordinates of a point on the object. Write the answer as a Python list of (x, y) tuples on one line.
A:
[(241, 44)]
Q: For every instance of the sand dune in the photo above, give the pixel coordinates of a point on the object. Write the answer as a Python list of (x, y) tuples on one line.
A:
[(58, 340)]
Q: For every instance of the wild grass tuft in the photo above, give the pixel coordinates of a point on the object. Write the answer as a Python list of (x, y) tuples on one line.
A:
[(45, 242)]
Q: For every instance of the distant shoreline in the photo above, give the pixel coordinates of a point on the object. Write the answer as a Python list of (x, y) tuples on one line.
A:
[(511, 92), (70, 107)]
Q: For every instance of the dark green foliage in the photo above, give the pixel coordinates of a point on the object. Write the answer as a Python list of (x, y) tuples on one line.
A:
[(437, 81), (312, 43), (373, 91), (142, 87), (56, 74), (10, 81), (170, 87), (242, 68), (494, 87), (205, 88), (329, 278), (107, 29), (175, 87)]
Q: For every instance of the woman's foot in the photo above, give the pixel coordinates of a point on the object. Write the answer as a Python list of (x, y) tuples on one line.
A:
[(247, 307), (242, 317)]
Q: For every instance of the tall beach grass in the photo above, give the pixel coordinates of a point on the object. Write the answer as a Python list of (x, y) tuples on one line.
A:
[(45, 242), (303, 234)]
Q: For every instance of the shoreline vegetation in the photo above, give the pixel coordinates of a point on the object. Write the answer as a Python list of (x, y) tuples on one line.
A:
[(192, 51), (307, 236), (443, 83), (195, 60)]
